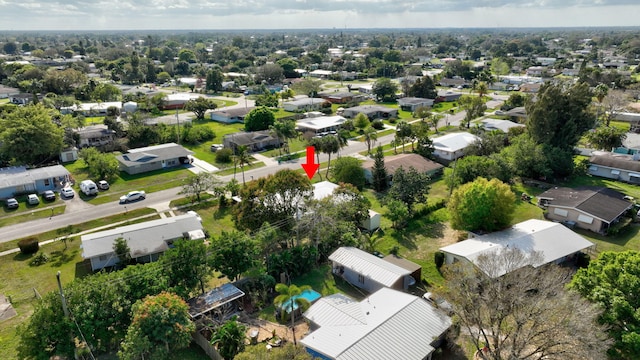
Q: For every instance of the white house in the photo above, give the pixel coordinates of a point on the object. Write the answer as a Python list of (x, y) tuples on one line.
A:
[(502, 125), (146, 240), (368, 271), (320, 124), (305, 104), (451, 146), (389, 324), (554, 241)]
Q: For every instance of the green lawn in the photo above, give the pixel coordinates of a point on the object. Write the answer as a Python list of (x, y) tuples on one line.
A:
[(28, 214), (230, 170), (150, 182)]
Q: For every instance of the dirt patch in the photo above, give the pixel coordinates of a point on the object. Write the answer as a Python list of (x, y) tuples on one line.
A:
[(266, 329), (6, 309), (449, 236)]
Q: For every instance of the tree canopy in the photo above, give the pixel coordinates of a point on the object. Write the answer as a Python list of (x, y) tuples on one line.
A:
[(384, 89), (410, 187), (611, 281), (260, 118), (483, 204), (234, 253), (348, 169), (199, 106), (525, 313)]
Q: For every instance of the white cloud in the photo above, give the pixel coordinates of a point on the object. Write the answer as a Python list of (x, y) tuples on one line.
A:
[(283, 14)]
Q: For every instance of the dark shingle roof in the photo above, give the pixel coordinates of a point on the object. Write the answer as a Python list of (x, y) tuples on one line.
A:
[(616, 161), (601, 202), (406, 161)]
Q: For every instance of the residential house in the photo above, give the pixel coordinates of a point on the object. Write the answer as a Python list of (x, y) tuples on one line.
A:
[(530, 88), (412, 103), (18, 180), (570, 72), (502, 125), (615, 166), (95, 135), (626, 117), (326, 188), (451, 146), (368, 271), (177, 101), (554, 241), (21, 99), (453, 82), (447, 96), (371, 111), (388, 324), (518, 113), (415, 269), (230, 116), (321, 74), (341, 97), (305, 104), (536, 70), (394, 162), (591, 208), (365, 89), (254, 141), (150, 158), (92, 109), (146, 240), (320, 124)]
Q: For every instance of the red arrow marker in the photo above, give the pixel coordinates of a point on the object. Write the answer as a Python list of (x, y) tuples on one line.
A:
[(310, 167)]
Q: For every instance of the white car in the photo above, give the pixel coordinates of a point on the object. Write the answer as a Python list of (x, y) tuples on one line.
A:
[(133, 196), (33, 199), (67, 192)]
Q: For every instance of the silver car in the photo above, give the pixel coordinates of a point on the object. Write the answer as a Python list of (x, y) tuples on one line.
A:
[(132, 196)]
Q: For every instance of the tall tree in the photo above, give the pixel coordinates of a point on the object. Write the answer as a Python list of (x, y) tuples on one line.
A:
[(234, 253), (482, 205), (28, 135), (290, 299), (122, 250), (410, 187), (199, 106), (214, 79), (525, 313), (384, 89), (330, 145), (349, 170), (160, 325), (404, 132), (283, 130), (379, 171), (611, 281), (474, 107), (600, 92), (370, 137), (242, 158), (186, 266), (424, 87), (196, 184), (606, 137), (259, 119), (100, 165)]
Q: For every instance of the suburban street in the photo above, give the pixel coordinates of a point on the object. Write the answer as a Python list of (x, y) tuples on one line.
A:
[(79, 211)]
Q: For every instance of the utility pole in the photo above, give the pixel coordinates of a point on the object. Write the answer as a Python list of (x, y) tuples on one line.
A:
[(178, 121), (64, 300)]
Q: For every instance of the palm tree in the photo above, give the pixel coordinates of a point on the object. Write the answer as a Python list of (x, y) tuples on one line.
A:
[(318, 144), (330, 144), (242, 158), (230, 338), (600, 92), (290, 295), (482, 89), (370, 137)]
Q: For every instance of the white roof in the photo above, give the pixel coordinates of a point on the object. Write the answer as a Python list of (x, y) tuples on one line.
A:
[(320, 122), (502, 125), (454, 142), (389, 324), (371, 266), (323, 189), (181, 97), (145, 238), (553, 240), (321, 72)]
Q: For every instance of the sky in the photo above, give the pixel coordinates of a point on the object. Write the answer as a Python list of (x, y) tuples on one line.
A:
[(312, 14)]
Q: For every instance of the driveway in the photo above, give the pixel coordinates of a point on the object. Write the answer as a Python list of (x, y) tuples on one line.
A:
[(198, 166)]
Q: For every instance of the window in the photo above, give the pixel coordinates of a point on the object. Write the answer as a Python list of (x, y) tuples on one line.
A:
[(615, 172), (361, 279), (103, 258), (561, 212), (593, 168), (585, 219), (47, 182)]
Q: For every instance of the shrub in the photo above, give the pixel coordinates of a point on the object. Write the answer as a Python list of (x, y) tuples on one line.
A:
[(392, 120), (224, 155), (39, 259), (582, 260), (438, 257), (29, 246), (377, 124)]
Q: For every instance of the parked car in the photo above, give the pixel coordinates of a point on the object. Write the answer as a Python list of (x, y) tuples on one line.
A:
[(11, 203), (133, 196), (440, 303), (49, 195), (216, 147), (67, 192), (103, 185), (33, 199), (88, 187)]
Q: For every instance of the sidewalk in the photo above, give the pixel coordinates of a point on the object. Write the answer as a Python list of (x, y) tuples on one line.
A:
[(266, 160), (160, 211)]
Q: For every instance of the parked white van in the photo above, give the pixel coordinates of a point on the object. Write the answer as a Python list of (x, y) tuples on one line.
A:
[(88, 187)]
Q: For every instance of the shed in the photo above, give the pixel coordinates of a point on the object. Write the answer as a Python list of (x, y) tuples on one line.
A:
[(373, 222), (416, 269), (213, 299)]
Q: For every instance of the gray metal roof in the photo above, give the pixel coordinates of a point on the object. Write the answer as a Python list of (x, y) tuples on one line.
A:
[(553, 240), (157, 153), (454, 141), (213, 299), (145, 238), (391, 325), (369, 265), (17, 176)]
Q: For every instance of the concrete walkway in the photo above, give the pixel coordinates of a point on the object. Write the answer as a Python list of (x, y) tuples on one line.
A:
[(266, 160), (198, 166)]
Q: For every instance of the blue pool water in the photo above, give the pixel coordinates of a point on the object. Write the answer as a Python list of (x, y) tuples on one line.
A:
[(310, 295)]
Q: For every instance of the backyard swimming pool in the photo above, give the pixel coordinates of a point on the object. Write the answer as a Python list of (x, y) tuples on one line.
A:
[(310, 295)]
